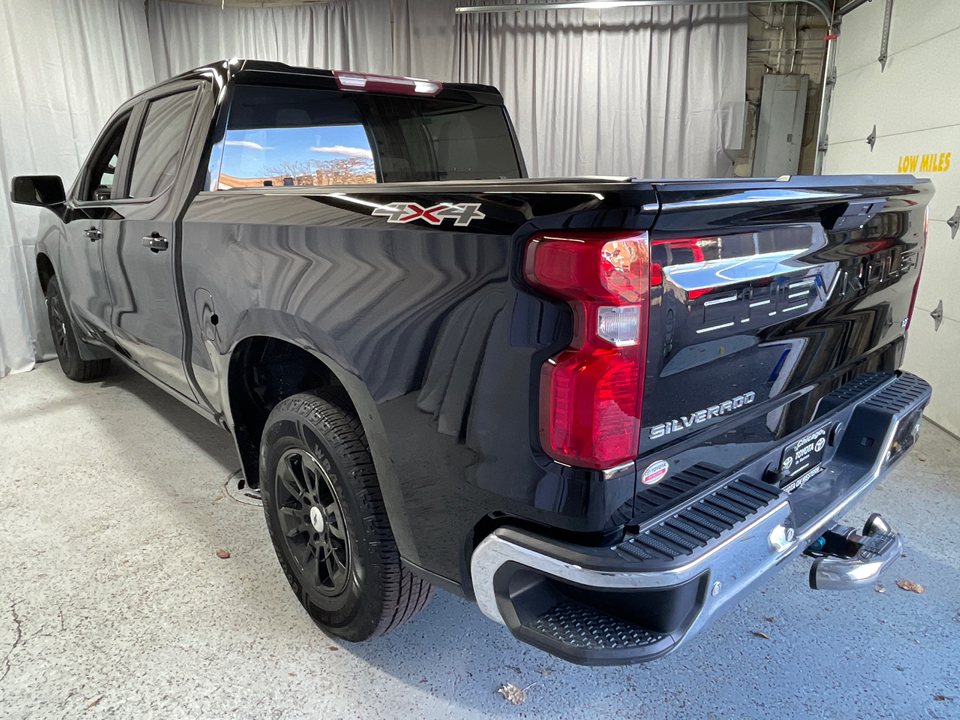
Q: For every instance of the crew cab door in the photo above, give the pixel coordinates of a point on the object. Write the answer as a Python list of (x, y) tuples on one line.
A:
[(140, 260), (91, 213)]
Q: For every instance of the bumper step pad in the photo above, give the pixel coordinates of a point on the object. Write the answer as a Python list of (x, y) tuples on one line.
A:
[(578, 626), (696, 525)]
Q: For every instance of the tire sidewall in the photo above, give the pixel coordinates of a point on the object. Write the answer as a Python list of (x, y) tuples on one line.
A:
[(356, 611), (68, 353)]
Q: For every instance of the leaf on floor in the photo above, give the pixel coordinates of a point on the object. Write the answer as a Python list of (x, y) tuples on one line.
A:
[(223, 554), (880, 589), (333, 648), (760, 634), (547, 672), (911, 586), (770, 619), (512, 694), (94, 703), (941, 698)]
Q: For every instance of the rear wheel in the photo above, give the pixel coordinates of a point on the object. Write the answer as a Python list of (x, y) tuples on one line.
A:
[(327, 520), (65, 339)]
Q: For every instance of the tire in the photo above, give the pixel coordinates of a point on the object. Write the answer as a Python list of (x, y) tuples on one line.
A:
[(65, 339), (327, 520)]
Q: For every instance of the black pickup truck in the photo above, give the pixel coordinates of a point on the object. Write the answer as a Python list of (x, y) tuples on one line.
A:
[(604, 408)]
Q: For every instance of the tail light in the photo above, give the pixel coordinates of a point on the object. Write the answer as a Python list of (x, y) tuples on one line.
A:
[(916, 285), (591, 393)]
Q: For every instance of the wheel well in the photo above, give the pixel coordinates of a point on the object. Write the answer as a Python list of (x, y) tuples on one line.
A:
[(44, 271), (263, 371)]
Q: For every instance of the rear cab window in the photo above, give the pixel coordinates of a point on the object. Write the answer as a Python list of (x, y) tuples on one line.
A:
[(279, 136), (161, 144)]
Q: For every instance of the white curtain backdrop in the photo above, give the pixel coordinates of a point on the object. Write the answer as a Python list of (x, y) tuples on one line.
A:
[(645, 92), (65, 65), (346, 35)]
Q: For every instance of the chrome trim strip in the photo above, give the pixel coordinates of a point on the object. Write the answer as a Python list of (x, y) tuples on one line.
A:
[(614, 471), (715, 327)]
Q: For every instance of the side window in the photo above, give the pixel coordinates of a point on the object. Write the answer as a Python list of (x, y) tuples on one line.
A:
[(284, 136), (161, 144), (98, 179)]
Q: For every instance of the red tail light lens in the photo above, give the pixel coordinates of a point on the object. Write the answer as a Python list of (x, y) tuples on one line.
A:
[(590, 394)]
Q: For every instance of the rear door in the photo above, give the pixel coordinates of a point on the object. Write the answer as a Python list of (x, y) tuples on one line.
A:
[(140, 251)]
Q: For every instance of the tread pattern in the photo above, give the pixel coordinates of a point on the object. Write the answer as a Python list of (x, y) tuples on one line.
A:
[(405, 594), (91, 369)]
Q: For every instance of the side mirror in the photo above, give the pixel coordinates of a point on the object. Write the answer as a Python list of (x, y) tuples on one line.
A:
[(40, 190)]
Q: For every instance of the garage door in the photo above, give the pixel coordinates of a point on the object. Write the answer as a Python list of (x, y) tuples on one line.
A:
[(915, 106)]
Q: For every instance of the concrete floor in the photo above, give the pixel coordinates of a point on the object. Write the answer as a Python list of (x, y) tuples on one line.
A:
[(113, 602)]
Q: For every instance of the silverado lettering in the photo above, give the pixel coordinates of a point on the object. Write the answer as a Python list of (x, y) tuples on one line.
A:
[(701, 416)]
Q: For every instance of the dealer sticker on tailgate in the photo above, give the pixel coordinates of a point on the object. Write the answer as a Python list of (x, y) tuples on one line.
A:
[(801, 460)]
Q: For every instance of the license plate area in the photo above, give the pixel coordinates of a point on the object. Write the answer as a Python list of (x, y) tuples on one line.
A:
[(803, 458)]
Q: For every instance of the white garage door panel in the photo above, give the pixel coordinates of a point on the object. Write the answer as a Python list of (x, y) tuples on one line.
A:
[(915, 104), (912, 23), (859, 42), (854, 158), (916, 22), (941, 267), (865, 97), (940, 272), (933, 356)]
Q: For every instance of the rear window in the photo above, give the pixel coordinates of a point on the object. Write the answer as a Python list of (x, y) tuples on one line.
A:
[(161, 144), (295, 136)]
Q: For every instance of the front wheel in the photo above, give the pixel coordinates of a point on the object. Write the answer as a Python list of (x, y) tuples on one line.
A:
[(65, 339), (327, 520)]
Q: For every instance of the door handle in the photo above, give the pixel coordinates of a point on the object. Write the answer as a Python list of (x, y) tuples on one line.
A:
[(155, 242), (93, 234)]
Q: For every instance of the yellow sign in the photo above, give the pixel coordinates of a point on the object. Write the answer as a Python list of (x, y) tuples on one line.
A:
[(934, 162)]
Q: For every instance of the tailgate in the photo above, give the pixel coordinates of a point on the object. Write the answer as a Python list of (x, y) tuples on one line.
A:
[(768, 295)]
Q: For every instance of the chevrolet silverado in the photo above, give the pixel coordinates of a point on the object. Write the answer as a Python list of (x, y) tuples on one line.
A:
[(602, 408)]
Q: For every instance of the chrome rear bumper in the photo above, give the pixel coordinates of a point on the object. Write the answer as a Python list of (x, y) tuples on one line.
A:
[(625, 604)]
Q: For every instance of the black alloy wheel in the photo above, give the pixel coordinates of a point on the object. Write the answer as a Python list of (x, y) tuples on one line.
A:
[(58, 327), (328, 521), (311, 519)]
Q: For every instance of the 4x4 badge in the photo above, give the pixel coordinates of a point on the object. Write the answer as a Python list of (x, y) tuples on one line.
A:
[(462, 214)]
